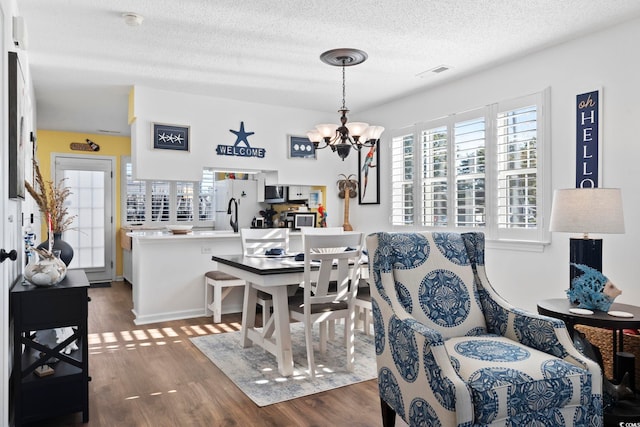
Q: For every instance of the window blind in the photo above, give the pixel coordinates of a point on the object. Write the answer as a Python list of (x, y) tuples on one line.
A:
[(517, 167), (402, 172), (469, 142), (136, 198), (481, 169), (434, 177)]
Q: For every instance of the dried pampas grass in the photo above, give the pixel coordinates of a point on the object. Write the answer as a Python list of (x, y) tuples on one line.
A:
[(50, 199)]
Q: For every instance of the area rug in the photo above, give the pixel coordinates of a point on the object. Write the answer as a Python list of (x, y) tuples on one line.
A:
[(255, 371)]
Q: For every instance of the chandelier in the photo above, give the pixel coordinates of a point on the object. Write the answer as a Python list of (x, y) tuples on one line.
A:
[(355, 134)]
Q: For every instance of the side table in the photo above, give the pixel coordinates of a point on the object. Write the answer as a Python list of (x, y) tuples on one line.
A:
[(559, 308), (36, 312)]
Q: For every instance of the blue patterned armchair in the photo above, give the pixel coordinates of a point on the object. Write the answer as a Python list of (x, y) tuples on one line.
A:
[(452, 352)]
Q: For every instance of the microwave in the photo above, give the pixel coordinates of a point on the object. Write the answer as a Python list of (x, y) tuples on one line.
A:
[(275, 193)]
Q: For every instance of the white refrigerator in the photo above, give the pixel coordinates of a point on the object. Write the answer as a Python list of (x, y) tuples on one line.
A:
[(245, 192)]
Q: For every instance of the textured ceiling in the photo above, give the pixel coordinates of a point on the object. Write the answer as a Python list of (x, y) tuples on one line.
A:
[(84, 58)]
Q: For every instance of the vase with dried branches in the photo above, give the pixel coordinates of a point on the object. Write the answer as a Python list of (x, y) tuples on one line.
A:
[(50, 198)]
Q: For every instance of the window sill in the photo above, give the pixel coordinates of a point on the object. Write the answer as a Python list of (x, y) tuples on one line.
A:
[(516, 245)]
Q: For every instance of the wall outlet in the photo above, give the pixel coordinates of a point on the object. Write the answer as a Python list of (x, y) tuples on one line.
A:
[(206, 251)]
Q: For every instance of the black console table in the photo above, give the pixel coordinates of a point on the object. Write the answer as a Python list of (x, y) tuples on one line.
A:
[(39, 393)]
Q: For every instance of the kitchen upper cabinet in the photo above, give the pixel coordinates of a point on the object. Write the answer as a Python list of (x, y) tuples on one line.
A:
[(298, 193)]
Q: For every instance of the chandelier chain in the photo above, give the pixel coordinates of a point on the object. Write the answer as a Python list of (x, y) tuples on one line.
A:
[(344, 88)]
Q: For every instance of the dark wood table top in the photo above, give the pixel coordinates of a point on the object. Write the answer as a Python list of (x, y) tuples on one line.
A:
[(261, 264), (559, 308), (266, 265), (75, 278)]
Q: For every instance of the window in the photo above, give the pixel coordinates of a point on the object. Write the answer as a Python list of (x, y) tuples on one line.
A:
[(168, 202), (478, 170)]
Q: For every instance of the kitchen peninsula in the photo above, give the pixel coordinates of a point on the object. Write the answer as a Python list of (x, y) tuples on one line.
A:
[(168, 272)]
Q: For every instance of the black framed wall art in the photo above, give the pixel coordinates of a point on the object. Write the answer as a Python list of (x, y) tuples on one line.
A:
[(369, 175), (18, 134), (170, 137), (300, 147)]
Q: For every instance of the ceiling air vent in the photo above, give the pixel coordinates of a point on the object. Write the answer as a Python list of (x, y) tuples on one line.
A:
[(436, 70)]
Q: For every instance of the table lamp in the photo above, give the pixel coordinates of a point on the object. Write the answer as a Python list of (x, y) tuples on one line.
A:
[(586, 210)]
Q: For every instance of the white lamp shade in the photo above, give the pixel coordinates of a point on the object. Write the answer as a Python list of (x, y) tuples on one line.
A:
[(357, 128), (587, 210), (374, 132), (327, 130), (314, 136)]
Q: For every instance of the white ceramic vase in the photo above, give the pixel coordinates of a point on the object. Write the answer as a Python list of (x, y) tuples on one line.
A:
[(45, 268)]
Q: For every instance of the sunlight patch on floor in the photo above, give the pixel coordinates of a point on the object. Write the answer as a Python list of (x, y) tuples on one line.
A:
[(136, 338)]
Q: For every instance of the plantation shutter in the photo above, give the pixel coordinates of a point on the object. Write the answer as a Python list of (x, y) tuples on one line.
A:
[(434, 177), (205, 199), (184, 202), (469, 143), (402, 173), (517, 135), (160, 201), (136, 198)]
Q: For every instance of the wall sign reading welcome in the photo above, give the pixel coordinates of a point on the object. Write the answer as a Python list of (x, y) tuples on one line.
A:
[(587, 143), (236, 149)]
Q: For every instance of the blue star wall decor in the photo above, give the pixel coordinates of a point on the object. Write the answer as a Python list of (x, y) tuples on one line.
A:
[(236, 149), (170, 137)]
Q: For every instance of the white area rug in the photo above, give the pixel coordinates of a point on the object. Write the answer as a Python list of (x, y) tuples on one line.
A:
[(255, 371)]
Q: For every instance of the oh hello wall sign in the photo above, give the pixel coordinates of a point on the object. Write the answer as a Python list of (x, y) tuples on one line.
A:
[(244, 150), (587, 139)]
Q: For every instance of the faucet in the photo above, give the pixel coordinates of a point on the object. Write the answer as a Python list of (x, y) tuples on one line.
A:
[(233, 221)]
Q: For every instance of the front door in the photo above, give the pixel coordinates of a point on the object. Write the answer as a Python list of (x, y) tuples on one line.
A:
[(92, 236)]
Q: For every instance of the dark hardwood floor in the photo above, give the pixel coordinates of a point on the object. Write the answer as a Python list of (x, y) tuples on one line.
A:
[(151, 375)]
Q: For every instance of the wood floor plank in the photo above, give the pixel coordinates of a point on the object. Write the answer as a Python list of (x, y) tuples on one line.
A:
[(153, 376)]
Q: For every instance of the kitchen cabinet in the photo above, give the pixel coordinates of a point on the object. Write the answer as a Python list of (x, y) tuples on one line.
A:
[(36, 313), (299, 193)]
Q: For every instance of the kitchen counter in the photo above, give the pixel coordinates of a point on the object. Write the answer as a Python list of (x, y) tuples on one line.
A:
[(195, 234), (168, 272)]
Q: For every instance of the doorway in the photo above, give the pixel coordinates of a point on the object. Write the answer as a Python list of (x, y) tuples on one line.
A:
[(91, 235)]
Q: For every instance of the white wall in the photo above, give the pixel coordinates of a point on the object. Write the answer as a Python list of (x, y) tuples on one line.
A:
[(606, 60), (10, 210), (211, 119)]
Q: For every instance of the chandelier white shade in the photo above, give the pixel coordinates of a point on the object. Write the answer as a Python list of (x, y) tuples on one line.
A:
[(587, 210), (346, 135)]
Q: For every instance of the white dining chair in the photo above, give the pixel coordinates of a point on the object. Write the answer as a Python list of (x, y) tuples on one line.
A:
[(330, 291), (322, 230), (256, 242), (363, 307), (363, 299), (218, 285)]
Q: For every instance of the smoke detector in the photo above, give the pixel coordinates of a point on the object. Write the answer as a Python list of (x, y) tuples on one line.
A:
[(132, 19)]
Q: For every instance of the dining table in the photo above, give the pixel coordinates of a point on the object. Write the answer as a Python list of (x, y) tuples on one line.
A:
[(277, 276)]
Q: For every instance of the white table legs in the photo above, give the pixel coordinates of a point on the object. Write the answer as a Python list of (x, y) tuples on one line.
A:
[(275, 336)]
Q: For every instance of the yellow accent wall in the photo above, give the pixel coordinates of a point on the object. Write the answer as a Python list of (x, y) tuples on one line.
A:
[(130, 116), (49, 142)]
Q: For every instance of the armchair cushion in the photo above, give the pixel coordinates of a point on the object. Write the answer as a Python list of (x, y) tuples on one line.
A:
[(507, 378)]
